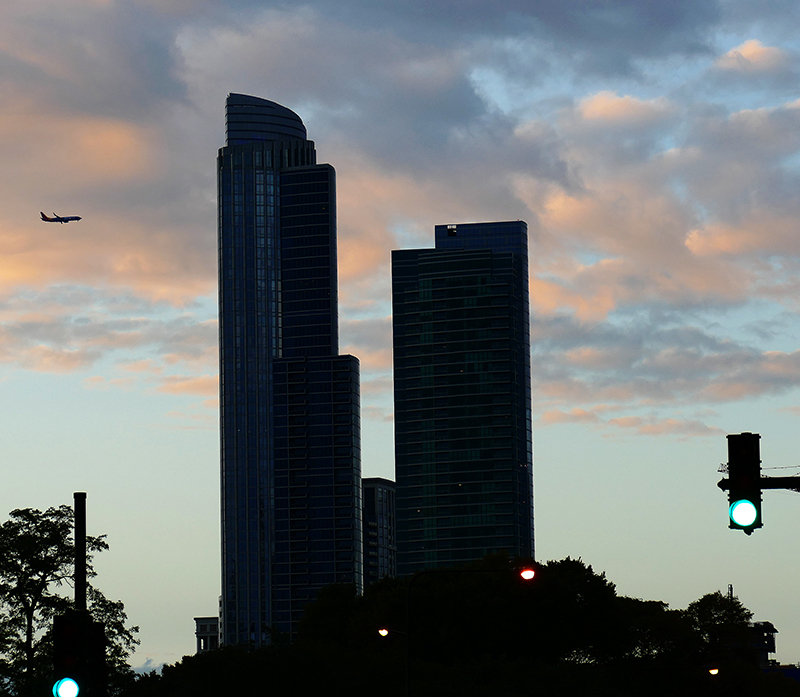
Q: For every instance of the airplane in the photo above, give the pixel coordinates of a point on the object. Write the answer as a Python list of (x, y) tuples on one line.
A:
[(59, 218)]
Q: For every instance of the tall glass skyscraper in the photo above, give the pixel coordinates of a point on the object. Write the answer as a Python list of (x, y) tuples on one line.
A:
[(462, 396), (289, 404)]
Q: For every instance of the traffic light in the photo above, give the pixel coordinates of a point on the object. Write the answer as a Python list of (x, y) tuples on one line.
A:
[(744, 482), (79, 662)]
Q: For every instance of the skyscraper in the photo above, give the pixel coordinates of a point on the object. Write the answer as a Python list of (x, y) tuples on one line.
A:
[(289, 404), (462, 393)]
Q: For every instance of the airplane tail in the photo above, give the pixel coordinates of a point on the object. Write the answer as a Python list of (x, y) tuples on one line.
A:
[(44, 217)]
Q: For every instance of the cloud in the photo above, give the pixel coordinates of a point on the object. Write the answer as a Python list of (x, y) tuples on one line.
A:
[(608, 107), (77, 329), (649, 425), (46, 359), (654, 207), (575, 415), (673, 427), (370, 340), (377, 414), (654, 366), (146, 365), (149, 666), (753, 57), (203, 385), (613, 35), (600, 359), (376, 386), (99, 382)]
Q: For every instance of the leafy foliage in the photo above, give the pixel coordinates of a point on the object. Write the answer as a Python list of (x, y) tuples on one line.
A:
[(36, 567), (480, 630)]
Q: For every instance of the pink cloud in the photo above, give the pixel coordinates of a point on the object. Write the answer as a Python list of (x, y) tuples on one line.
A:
[(203, 385), (753, 57), (609, 107), (146, 365), (99, 382), (377, 414), (378, 359), (666, 427), (46, 359), (79, 151), (575, 415)]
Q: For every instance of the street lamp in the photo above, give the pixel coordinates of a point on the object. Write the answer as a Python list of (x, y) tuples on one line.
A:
[(526, 573)]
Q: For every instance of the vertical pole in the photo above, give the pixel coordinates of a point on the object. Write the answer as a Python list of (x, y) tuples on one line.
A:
[(80, 550)]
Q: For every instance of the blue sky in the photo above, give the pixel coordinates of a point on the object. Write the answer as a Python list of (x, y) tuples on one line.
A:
[(652, 147)]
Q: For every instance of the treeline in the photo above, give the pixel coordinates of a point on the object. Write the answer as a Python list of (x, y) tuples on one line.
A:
[(484, 631)]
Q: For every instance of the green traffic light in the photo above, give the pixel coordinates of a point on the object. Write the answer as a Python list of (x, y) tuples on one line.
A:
[(66, 687), (743, 513)]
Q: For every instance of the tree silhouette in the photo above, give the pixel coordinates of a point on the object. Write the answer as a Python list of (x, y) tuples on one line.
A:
[(37, 562)]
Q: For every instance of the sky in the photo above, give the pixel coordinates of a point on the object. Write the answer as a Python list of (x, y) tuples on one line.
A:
[(652, 146)]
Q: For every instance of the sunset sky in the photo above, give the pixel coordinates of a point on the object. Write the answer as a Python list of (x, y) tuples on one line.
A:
[(652, 146)]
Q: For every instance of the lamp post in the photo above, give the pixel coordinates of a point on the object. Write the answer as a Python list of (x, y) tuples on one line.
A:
[(526, 573)]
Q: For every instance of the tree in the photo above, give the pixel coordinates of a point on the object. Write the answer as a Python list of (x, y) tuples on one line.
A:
[(38, 562), (722, 625), (480, 630)]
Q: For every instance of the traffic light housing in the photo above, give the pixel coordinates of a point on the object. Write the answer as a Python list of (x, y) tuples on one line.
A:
[(744, 482), (79, 656)]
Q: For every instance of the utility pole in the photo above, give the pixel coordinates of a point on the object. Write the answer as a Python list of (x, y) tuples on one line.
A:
[(79, 498), (79, 642)]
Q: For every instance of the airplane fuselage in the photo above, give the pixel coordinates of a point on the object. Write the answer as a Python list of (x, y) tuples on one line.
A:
[(59, 218)]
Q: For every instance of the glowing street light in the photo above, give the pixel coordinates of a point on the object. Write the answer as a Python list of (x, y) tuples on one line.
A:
[(383, 631), (527, 573)]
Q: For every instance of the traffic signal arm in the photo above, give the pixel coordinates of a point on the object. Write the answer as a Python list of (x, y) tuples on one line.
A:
[(789, 483)]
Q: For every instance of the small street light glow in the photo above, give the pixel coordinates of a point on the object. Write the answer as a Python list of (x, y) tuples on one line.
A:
[(527, 574), (383, 631)]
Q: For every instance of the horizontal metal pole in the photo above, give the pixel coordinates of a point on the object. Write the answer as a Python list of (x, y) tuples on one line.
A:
[(790, 483)]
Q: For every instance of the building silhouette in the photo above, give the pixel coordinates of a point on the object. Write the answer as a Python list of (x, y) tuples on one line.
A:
[(462, 396), (380, 529), (206, 632), (289, 404)]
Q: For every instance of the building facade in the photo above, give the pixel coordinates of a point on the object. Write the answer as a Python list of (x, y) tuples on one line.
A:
[(462, 396), (289, 404), (380, 529), (206, 633)]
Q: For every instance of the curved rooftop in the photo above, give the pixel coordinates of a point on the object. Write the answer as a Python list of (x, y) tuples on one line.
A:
[(252, 119)]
